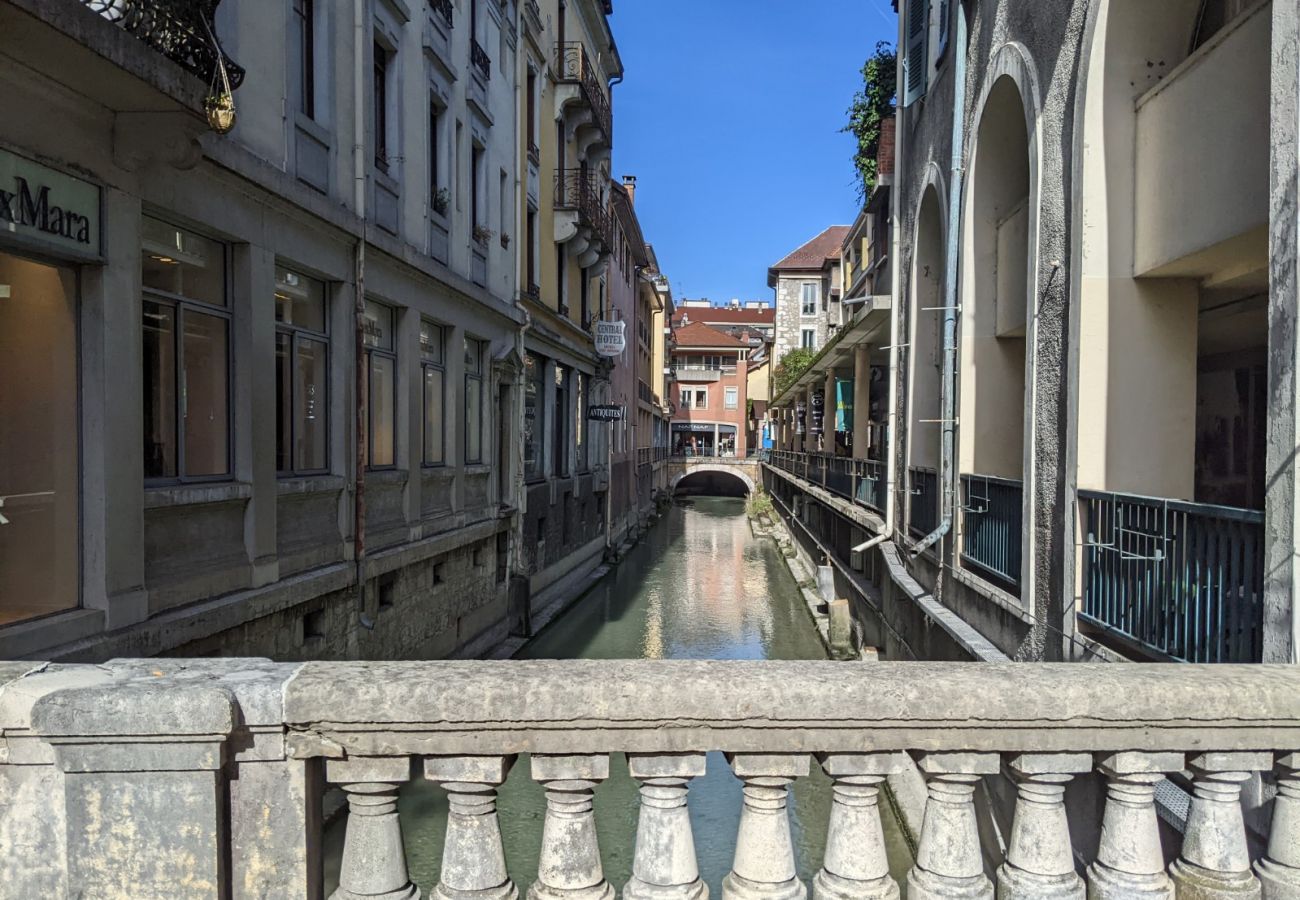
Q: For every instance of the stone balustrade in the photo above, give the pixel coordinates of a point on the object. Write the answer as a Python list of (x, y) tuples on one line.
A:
[(204, 778)]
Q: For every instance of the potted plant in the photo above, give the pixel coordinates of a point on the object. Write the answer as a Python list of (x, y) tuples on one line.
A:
[(482, 235), (442, 201), (505, 241)]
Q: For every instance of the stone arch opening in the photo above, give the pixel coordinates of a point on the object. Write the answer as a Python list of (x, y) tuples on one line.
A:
[(713, 481)]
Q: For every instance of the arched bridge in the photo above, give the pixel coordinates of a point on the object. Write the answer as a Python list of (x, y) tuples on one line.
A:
[(744, 470)]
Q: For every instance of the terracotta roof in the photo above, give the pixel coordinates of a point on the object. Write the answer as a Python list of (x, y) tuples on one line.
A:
[(697, 334), (813, 255), (724, 315)]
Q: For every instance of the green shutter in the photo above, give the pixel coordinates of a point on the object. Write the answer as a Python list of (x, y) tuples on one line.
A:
[(915, 62)]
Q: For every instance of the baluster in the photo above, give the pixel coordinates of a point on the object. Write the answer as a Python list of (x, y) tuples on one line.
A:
[(1130, 864), (856, 867), (1279, 870), (763, 868), (473, 857), (1215, 861), (1040, 860), (569, 868), (664, 867), (949, 862), (374, 861)]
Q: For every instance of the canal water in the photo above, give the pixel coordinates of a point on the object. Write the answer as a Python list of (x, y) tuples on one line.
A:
[(699, 585)]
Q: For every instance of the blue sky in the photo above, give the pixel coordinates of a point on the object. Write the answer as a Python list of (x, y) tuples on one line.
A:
[(729, 116)]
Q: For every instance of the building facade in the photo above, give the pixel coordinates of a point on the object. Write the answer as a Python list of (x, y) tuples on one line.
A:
[(807, 286), (709, 374), (654, 315)]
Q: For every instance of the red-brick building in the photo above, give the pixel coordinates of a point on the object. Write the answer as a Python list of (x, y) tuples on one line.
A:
[(709, 371)]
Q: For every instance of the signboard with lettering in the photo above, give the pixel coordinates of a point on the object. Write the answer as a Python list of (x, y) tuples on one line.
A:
[(800, 412), (48, 209), (817, 412), (609, 338), (604, 413)]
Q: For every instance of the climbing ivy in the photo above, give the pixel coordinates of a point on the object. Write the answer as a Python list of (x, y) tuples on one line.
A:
[(793, 364), (871, 105)]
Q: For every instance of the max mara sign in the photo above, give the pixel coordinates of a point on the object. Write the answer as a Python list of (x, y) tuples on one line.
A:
[(47, 208)]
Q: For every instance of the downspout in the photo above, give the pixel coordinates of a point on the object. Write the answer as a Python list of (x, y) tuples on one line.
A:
[(359, 317), (521, 479), (948, 386)]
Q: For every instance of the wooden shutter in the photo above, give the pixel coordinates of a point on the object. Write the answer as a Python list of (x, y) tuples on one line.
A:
[(915, 63), (943, 28)]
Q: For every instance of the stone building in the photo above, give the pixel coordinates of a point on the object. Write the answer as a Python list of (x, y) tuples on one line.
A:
[(807, 285), (654, 313), (1091, 339)]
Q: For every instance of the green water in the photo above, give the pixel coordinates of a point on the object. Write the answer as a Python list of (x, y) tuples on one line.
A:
[(698, 586)]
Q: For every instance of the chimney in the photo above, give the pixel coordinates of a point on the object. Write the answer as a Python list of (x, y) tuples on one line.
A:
[(629, 185)]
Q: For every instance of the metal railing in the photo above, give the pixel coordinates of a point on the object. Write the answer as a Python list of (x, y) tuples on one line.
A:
[(574, 66), (922, 500), (991, 526), (184, 31), (1185, 580), (479, 59), (860, 481), (442, 8), (576, 190)]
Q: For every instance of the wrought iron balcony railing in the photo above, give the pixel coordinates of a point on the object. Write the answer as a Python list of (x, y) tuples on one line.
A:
[(479, 59), (576, 190), (184, 31), (574, 66), (442, 8)]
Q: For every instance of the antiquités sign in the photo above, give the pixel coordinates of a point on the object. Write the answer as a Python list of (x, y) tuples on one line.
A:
[(605, 413), (40, 205), (609, 338)]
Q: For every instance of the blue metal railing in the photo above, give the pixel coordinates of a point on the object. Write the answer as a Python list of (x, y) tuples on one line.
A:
[(991, 527), (861, 481), (869, 484), (1185, 580), (922, 500)]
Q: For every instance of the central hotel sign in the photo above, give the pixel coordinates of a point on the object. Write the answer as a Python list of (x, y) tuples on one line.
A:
[(48, 209)]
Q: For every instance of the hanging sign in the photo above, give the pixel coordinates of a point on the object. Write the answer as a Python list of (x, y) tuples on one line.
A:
[(817, 413), (800, 414), (45, 207), (605, 413), (609, 338)]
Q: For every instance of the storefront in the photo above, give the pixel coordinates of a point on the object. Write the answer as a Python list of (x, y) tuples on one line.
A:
[(703, 439), (49, 222)]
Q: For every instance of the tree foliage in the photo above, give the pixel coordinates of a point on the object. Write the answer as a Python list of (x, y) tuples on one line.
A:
[(871, 105), (793, 364)]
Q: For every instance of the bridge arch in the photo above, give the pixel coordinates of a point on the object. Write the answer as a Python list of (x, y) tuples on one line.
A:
[(736, 472)]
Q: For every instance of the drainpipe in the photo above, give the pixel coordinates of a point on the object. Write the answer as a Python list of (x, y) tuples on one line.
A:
[(948, 387), (359, 203), (521, 480)]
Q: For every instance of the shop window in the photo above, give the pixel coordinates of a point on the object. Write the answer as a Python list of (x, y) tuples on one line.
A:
[(433, 370), (580, 441), (561, 429), (474, 353), (534, 416), (381, 377), (301, 374), (186, 343)]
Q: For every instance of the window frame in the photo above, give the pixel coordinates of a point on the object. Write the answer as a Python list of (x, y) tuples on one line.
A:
[(371, 352), (303, 13), (429, 363), (383, 58), (804, 301), (478, 375), (807, 338), (730, 397), (296, 334), (538, 472)]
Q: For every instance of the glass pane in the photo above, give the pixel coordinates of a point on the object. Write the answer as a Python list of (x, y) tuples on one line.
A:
[(181, 262), (383, 405), (311, 412), (431, 342), (433, 416), (299, 300), (473, 356), (379, 325), (159, 390), (533, 422), (473, 420), (283, 402), (205, 388), (39, 467)]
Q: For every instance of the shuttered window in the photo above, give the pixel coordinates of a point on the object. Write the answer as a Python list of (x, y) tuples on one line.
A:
[(915, 62), (943, 31)]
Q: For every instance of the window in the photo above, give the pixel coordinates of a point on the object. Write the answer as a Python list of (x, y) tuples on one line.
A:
[(808, 338), (301, 374), (433, 374), (435, 171), (382, 61), (562, 416), (476, 187), (534, 416), (580, 441), (915, 58), (730, 398), (533, 151), (686, 398), (381, 377), (808, 296), (530, 249), (584, 296), (186, 354), (304, 50), (474, 353), (562, 283), (505, 201)]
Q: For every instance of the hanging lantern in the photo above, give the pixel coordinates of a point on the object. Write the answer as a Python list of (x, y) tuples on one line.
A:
[(220, 102)]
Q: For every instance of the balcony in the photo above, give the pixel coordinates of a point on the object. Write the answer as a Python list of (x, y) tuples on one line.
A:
[(581, 101), (212, 772), (582, 220), (444, 10), (697, 374), (479, 61), (184, 31)]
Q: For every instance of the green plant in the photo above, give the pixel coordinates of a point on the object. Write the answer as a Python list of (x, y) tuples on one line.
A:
[(441, 201), (793, 364), (872, 105), (758, 504)]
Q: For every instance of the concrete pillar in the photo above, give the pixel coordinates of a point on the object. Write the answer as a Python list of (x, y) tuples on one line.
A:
[(828, 419), (374, 859), (1279, 870), (763, 868), (855, 866), (1215, 860), (861, 399), (664, 866), (949, 862), (473, 856), (1130, 864), (1040, 862), (569, 867), (253, 344)]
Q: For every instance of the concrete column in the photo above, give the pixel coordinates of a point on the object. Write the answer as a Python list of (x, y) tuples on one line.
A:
[(1130, 864), (1215, 860), (253, 344), (374, 860), (855, 866), (665, 867), (948, 861), (1279, 870), (763, 868), (569, 867), (473, 856), (828, 419), (861, 399), (1040, 861)]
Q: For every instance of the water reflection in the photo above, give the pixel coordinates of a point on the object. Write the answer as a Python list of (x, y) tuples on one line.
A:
[(698, 586)]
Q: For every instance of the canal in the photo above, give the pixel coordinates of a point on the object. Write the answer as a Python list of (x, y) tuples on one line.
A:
[(697, 586)]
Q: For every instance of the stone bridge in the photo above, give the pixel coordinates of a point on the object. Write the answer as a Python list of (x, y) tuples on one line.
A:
[(744, 470)]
